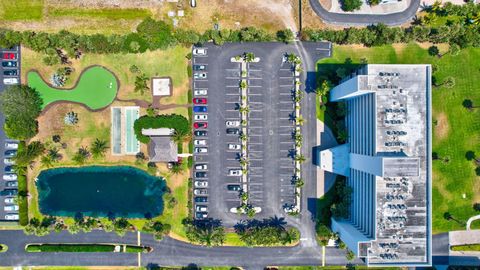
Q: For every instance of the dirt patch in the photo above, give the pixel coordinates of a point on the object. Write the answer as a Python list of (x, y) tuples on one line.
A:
[(443, 48), (442, 127), (326, 4)]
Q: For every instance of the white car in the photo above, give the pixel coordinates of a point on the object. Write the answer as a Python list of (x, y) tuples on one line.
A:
[(9, 200), (232, 146), (200, 142), (235, 172), (201, 184), (232, 123), (201, 92), (10, 81), (199, 51), (200, 191), (201, 167), (201, 208), (11, 208), (200, 75), (11, 217), (201, 116), (11, 145), (9, 176), (201, 150), (8, 161)]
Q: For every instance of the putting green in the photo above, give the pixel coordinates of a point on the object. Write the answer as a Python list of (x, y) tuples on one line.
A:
[(96, 88)]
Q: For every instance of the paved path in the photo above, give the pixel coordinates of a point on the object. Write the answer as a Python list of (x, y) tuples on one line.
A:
[(470, 220), (365, 19)]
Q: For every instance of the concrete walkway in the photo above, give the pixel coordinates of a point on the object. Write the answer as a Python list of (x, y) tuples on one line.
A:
[(470, 220)]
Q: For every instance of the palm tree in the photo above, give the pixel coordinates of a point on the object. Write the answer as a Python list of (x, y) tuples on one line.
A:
[(300, 120), (71, 118), (176, 168), (468, 104), (211, 235), (54, 155), (292, 58), (99, 147), (82, 155), (178, 136), (249, 57), (342, 135), (244, 109), (449, 82), (46, 161), (300, 158), (299, 183), (243, 137)]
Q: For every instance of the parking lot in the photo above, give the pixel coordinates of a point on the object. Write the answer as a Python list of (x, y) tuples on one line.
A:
[(9, 75), (270, 128)]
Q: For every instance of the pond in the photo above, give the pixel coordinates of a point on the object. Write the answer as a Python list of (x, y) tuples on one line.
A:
[(97, 191)]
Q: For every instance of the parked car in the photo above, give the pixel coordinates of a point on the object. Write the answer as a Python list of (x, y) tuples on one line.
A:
[(200, 108), (11, 145), (201, 166), (11, 217), (200, 133), (9, 56), (10, 81), (200, 125), (232, 123), (200, 150), (201, 184), (10, 72), (11, 184), (201, 75), (234, 187), (201, 199), (232, 146), (8, 161), (10, 208), (235, 172), (201, 117), (201, 191), (9, 64), (9, 176), (201, 208), (199, 51), (9, 200), (201, 92), (200, 142), (10, 153), (201, 215), (233, 131), (199, 67), (8, 169), (201, 174), (193, 3), (9, 192), (199, 101)]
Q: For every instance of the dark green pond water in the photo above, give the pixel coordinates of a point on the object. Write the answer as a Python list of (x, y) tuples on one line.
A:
[(100, 192)]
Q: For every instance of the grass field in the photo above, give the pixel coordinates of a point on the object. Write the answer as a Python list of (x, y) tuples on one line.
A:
[(456, 130), (96, 88), (103, 13), (31, 10)]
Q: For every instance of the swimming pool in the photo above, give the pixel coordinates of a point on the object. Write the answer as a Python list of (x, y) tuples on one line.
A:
[(97, 191)]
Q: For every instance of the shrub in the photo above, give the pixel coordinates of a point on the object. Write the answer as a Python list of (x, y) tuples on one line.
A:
[(351, 5), (174, 121)]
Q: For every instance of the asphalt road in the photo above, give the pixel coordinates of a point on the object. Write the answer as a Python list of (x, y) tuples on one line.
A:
[(365, 19)]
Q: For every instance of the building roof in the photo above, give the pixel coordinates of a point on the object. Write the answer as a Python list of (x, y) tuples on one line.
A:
[(157, 131), (162, 149)]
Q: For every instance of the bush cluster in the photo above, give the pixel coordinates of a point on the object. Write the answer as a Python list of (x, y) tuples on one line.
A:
[(174, 121)]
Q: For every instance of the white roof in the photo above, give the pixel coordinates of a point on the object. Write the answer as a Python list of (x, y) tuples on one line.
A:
[(157, 131), (161, 86)]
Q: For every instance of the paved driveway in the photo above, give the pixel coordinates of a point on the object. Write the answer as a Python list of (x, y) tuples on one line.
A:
[(365, 19)]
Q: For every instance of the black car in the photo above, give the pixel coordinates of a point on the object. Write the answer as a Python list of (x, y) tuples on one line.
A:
[(233, 131), (10, 72), (201, 199), (10, 153), (200, 133), (9, 64), (201, 174), (234, 187), (8, 169), (199, 67), (9, 192)]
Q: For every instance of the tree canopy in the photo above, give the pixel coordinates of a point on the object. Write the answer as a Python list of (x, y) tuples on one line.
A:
[(21, 106)]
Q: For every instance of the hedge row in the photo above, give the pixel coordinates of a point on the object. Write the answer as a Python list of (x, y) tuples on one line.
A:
[(174, 121), (22, 189)]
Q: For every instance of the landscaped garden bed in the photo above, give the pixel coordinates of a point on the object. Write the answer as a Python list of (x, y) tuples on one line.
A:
[(86, 248)]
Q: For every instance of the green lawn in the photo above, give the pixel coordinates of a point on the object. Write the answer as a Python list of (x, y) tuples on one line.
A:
[(473, 247), (96, 88), (17, 10), (457, 130)]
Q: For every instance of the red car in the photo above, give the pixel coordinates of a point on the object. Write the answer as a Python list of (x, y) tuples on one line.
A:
[(9, 56), (200, 125), (199, 101)]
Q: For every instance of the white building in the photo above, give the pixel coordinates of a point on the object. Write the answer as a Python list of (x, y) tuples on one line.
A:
[(387, 163)]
